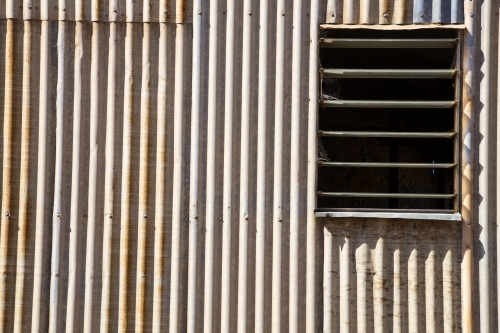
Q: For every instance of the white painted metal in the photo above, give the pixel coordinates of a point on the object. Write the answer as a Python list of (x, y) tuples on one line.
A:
[(211, 149), (160, 190), (227, 181), (22, 272), (109, 183), (56, 213), (75, 179), (312, 157), (177, 178), (8, 116), (295, 166), (278, 166), (142, 219), (126, 183), (260, 245), (41, 167), (193, 169), (244, 168), (484, 218), (92, 207)]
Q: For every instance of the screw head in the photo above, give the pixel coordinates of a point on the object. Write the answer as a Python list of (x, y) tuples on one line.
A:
[(421, 15), (249, 13), (468, 222), (282, 13), (386, 15)]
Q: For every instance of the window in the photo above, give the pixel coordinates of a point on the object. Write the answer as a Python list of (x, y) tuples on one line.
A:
[(388, 121)]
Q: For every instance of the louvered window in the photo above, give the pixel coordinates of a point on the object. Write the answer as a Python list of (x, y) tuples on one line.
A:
[(388, 121)]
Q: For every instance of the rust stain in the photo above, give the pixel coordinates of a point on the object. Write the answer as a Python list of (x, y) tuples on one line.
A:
[(181, 11), (96, 10)]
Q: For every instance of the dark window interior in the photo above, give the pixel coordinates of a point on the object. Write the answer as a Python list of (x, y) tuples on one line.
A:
[(382, 149)]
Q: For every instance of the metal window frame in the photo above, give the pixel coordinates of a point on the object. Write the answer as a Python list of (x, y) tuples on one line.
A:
[(456, 135)]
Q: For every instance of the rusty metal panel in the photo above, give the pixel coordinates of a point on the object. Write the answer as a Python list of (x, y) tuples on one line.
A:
[(97, 145), (170, 11), (394, 12)]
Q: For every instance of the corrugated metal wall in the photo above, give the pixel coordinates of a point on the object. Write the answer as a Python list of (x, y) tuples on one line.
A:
[(155, 176)]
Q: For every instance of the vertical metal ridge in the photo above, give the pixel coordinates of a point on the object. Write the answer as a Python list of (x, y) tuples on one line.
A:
[(123, 310), (41, 167), (448, 289), (244, 167), (312, 127), (95, 10), (27, 12), (348, 12), (397, 277), (227, 183), (467, 176), (378, 258), (398, 14), (92, 195), (345, 285), (261, 170), (363, 271), (21, 271), (278, 167), (364, 11), (56, 213), (413, 285), (383, 12), (437, 10), (177, 178), (143, 183), (484, 220), (294, 167), (497, 201), (456, 12), (8, 122), (211, 140), (113, 10), (75, 179), (327, 280), (194, 177), (109, 183), (161, 147), (57, 205), (430, 288)]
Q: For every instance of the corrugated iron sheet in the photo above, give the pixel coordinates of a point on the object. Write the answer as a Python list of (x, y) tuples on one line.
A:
[(147, 184), (395, 12)]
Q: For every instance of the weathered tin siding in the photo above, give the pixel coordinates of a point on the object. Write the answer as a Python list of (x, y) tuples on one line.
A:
[(150, 184)]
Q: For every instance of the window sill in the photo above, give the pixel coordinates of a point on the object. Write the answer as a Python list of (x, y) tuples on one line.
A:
[(392, 215)]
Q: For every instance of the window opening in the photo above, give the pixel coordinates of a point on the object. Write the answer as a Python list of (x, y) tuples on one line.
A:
[(388, 120)]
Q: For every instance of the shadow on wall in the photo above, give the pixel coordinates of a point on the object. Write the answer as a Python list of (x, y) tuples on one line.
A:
[(392, 274)]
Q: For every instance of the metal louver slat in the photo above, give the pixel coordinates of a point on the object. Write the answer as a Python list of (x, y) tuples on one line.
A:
[(390, 73), (387, 43), (419, 135), (388, 165), (386, 195), (388, 104)]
